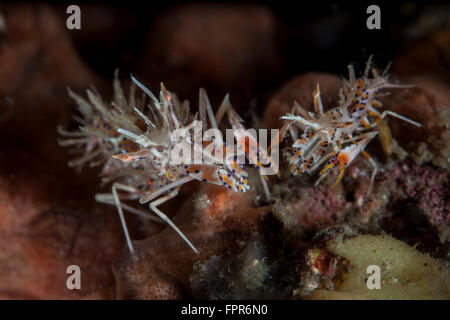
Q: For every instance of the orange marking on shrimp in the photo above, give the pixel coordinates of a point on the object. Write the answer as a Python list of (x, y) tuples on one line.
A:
[(306, 164), (378, 120), (129, 157), (206, 143), (317, 95), (237, 169), (361, 83), (128, 146), (99, 123), (373, 113), (105, 127), (166, 93), (365, 124), (251, 148), (354, 107), (244, 181), (376, 104), (341, 174), (342, 125), (342, 159), (226, 180), (365, 154), (328, 166)]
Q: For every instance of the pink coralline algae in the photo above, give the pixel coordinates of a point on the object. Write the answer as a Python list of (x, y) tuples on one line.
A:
[(424, 184), (405, 189), (312, 207)]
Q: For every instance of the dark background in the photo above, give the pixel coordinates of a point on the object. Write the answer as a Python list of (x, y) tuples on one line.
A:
[(309, 36)]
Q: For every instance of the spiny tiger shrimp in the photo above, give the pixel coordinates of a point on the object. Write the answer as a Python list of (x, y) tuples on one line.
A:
[(340, 134), (135, 144)]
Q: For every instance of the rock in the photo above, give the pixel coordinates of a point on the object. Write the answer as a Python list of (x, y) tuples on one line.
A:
[(145, 279), (104, 293), (428, 57), (415, 201), (47, 218), (219, 209), (305, 209), (217, 225), (216, 46), (428, 103), (252, 273), (39, 240)]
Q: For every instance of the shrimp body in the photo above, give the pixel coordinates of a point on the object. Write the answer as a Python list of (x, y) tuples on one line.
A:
[(135, 142), (232, 176), (336, 137)]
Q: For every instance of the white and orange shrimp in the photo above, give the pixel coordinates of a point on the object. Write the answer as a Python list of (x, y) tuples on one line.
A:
[(341, 133), (135, 145)]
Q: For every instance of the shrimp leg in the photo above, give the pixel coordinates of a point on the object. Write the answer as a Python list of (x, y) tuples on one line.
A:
[(117, 186), (108, 198), (153, 205)]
